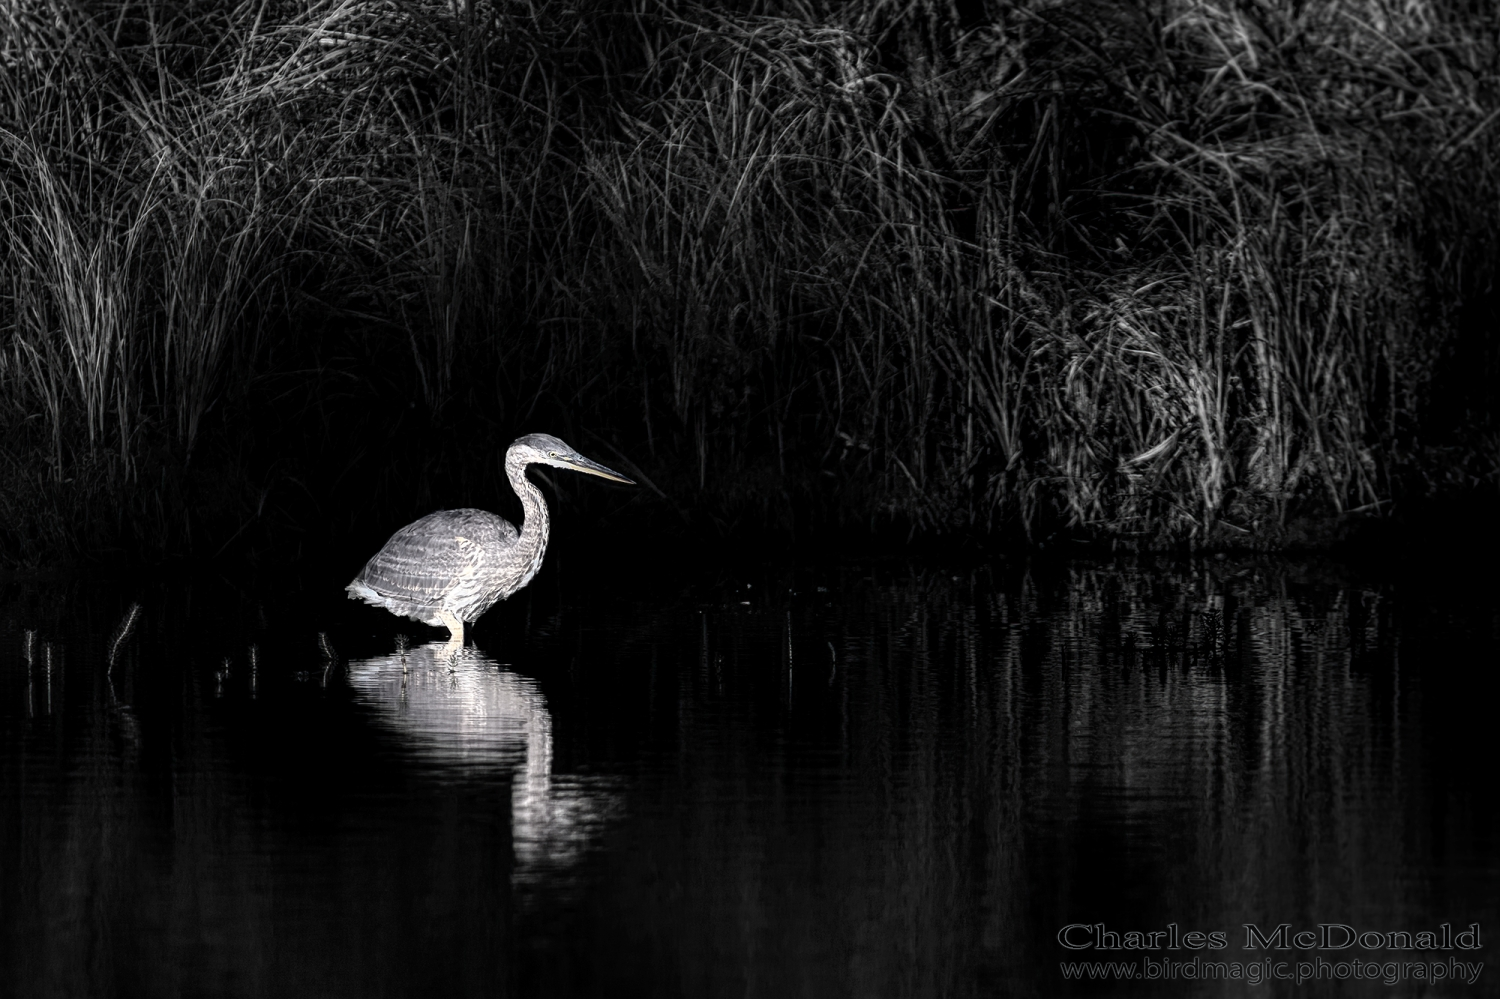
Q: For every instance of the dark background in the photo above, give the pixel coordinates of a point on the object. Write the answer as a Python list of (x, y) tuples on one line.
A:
[(280, 276)]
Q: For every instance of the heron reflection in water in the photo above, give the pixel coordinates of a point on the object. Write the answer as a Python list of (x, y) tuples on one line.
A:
[(463, 713), (453, 565)]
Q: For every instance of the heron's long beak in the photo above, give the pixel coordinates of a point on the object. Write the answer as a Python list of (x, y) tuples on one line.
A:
[(579, 463)]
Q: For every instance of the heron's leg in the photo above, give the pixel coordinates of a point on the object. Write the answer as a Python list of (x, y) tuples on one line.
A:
[(454, 625)]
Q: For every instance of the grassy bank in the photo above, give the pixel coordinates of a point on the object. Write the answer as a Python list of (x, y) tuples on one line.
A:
[(279, 273)]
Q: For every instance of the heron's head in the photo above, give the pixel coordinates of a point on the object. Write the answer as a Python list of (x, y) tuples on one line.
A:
[(544, 449)]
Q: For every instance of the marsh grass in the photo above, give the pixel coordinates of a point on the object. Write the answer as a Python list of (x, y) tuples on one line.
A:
[(1153, 274)]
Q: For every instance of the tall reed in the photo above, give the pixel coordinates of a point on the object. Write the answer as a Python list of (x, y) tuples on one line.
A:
[(1169, 273)]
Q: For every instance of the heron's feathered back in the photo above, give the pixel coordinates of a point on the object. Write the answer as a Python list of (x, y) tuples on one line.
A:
[(463, 555)]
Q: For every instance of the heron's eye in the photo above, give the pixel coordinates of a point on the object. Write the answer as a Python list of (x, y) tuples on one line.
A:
[(552, 454)]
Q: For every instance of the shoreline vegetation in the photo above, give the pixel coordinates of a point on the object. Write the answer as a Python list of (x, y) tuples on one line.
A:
[(280, 275)]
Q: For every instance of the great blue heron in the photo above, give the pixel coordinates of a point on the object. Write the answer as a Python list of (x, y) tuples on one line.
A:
[(453, 565)]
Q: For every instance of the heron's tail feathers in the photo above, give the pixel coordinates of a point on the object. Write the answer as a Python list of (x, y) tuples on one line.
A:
[(357, 590), (360, 590)]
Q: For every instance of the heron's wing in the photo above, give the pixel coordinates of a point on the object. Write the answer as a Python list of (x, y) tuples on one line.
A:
[(426, 558), (483, 528)]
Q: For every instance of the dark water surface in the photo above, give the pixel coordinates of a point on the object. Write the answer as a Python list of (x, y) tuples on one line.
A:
[(888, 781)]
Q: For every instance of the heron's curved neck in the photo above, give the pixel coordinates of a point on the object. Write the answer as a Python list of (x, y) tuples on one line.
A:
[(535, 526)]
